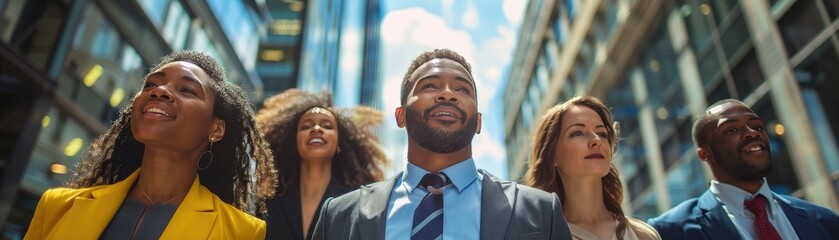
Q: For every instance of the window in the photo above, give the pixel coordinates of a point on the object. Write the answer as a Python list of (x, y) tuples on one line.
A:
[(697, 26), (747, 75), (783, 178), (799, 25), (817, 76), (735, 37), (176, 28), (154, 9)]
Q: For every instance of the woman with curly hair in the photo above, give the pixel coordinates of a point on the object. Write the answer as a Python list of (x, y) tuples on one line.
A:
[(178, 163), (572, 157), (320, 153)]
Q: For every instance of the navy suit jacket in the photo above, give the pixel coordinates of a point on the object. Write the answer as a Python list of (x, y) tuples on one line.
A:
[(704, 218)]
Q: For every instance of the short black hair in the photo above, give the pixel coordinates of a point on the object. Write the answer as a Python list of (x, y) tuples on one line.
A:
[(428, 56), (699, 138)]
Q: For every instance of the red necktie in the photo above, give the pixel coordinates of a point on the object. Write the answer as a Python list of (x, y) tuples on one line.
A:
[(764, 229)]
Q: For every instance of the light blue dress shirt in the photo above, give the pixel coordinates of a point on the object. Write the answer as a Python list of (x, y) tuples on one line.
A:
[(461, 202)]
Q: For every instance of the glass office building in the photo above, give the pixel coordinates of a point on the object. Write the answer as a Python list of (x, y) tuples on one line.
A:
[(341, 46), (658, 64), (279, 52), (66, 67)]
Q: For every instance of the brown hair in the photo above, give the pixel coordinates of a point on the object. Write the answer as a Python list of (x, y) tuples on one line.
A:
[(542, 172)]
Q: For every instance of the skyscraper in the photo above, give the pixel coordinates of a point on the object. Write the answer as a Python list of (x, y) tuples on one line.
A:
[(66, 67), (659, 64)]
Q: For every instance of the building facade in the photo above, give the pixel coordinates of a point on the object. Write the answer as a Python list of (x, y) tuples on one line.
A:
[(658, 64), (67, 67), (341, 46), (279, 52)]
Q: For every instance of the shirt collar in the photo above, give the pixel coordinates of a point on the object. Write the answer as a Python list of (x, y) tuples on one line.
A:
[(733, 197), (461, 174)]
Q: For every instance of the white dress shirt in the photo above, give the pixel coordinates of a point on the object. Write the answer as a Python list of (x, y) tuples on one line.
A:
[(732, 199)]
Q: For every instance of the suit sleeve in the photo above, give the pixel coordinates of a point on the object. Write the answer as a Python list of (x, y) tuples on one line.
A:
[(322, 226), (36, 226), (830, 222), (559, 229), (667, 229)]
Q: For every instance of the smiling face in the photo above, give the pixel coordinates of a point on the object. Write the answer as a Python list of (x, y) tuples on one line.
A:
[(583, 147), (441, 112), (738, 146), (317, 135), (175, 109)]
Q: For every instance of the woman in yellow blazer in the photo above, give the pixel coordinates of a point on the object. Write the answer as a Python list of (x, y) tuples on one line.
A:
[(176, 164)]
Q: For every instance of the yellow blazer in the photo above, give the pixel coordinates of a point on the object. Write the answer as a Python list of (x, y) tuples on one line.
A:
[(65, 213)]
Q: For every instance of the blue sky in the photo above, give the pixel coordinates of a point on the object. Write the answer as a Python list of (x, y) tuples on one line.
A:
[(484, 32)]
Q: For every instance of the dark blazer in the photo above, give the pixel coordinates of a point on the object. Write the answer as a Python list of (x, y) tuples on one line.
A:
[(704, 218), (508, 211), (285, 219)]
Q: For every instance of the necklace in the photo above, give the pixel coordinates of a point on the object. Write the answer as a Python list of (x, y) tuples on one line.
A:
[(163, 203)]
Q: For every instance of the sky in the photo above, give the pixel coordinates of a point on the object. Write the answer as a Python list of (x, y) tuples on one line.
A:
[(484, 32)]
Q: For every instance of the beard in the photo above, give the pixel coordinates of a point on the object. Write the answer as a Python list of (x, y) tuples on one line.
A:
[(740, 169), (439, 140)]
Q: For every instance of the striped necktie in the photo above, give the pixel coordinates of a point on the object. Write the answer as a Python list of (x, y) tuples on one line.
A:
[(428, 217)]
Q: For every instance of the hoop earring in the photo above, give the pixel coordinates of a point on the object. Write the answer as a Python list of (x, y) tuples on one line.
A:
[(210, 152)]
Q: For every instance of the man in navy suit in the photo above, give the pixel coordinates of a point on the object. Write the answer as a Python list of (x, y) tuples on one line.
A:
[(731, 139)]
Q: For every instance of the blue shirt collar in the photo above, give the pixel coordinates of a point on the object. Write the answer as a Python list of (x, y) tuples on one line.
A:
[(462, 174)]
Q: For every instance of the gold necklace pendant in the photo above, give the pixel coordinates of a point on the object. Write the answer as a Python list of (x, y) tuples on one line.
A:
[(163, 203)]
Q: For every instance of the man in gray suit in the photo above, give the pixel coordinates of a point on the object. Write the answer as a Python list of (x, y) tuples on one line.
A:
[(441, 193)]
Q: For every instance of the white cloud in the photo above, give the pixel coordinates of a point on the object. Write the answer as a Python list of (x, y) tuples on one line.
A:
[(409, 32), (493, 73), (489, 154), (392, 87), (469, 19), (447, 4), (490, 64), (514, 11)]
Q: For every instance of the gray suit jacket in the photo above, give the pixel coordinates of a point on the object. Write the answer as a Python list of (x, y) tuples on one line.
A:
[(508, 211)]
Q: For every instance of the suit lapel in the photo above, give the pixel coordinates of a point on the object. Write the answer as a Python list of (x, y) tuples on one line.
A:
[(804, 227), (496, 207), (372, 205), (714, 219), (91, 214), (196, 216), (292, 208)]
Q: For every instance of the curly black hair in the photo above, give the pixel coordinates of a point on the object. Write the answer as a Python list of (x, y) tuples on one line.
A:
[(115, 154), (428, 56), (361, 159)]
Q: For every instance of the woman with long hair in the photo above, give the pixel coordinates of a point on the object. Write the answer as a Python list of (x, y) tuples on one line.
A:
[(183, 160), (572, 157), (320, 152)]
